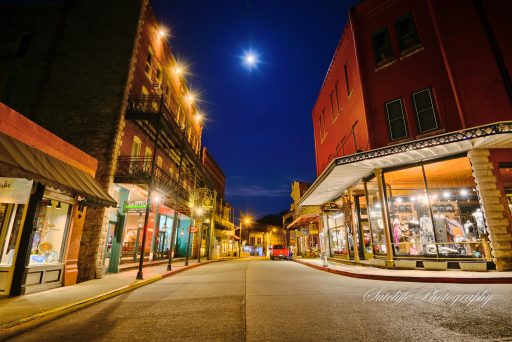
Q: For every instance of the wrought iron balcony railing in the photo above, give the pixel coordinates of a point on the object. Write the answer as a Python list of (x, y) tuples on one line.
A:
[(137, 170)]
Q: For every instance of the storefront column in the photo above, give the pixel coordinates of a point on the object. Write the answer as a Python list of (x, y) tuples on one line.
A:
[(490, 199), (73, 246), (385, 215), (355, 226)]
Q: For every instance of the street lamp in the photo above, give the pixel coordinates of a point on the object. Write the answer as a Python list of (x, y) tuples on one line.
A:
[(247, 220)]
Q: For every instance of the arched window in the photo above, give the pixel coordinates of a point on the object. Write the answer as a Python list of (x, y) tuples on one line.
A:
[(136, 146)]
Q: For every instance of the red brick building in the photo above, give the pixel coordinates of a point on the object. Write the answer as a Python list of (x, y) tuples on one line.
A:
[(127, 103), (417, 105)]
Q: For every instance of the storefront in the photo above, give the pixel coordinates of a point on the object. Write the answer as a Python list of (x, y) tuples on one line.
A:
[(405, 206), (43, 199), (305, 233)]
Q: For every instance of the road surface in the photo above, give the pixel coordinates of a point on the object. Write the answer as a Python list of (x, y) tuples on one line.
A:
[(263, 300)]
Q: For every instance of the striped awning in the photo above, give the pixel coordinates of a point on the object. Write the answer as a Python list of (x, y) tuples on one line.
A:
[(20, 160)]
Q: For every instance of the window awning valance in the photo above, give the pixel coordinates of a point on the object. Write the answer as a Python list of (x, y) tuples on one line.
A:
[(20, 160)]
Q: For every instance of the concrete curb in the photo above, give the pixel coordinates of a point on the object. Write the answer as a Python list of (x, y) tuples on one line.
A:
[(452, 280), (13, 328)]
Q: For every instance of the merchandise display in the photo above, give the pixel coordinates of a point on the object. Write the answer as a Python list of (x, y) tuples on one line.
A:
[(49, 238)]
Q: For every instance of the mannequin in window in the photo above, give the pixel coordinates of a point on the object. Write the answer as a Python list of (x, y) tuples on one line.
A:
[(440, 227), (426, 230), (396, 229), (469, 229)]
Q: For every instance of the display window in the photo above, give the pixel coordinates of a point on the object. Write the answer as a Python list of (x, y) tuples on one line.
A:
[(411, 227), (378, 235), (434, 211), (11, 217), (338, 234), (50, 236)]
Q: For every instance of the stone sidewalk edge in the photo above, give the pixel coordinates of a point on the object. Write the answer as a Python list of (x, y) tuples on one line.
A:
[(453, 280), (13, 328)]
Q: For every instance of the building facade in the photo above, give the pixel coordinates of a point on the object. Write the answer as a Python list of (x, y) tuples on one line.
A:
[(46, 187), (413, 149), (126, 102)]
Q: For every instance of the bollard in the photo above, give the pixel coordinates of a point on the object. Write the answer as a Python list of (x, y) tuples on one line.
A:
[(324, 260)]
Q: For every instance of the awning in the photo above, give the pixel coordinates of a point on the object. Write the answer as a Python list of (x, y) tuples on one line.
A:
[(303, 220), (20, 160), (346, 171)]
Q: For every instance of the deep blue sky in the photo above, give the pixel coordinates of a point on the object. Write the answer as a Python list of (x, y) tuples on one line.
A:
[(259, 126)]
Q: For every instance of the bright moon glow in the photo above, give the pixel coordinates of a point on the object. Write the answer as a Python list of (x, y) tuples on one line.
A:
[(250, 60)]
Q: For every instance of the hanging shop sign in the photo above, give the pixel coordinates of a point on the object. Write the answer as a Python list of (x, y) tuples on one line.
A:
[(193, 229), (330, 207), (304, 231), (15, 190), (134, 206)]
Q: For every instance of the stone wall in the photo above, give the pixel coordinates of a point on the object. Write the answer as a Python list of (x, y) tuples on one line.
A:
[(495, 211)]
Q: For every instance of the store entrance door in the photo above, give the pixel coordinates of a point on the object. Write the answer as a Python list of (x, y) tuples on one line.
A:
[(363, 228)]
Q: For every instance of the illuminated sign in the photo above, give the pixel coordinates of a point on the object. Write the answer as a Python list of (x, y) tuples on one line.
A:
[(15, 190), (134, 206), (330, 207)]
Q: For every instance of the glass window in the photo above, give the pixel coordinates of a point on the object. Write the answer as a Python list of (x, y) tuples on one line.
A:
[(347, 83), (334, 110), (149, 60), (407, 35), (50, 237), (338, 234), (396, 119), (410, 222), (425, 112), (458, 220), (322, 125), (11, 216), (382, 47), (375, 217)]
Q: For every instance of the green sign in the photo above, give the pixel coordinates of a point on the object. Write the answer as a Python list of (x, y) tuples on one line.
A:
[(134, 206)]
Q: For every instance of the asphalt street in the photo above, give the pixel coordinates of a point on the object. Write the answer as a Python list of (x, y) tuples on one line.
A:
[(263, 300)]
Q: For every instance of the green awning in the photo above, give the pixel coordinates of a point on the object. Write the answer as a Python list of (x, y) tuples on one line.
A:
[(20, 160)]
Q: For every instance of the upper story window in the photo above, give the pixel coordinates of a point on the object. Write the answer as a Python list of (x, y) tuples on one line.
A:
[(382, 47), (347, 82), (425, 112), (159, 161), (322, 125), (396, 119), (334, 104), (407, 34), (149, 61), (136, 145)]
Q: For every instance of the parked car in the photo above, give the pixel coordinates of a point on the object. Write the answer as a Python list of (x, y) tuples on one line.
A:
[(279, 252)]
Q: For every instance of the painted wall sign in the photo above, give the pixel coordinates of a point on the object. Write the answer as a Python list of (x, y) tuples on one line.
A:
[(15, 190), (134, 206), (330, 207)]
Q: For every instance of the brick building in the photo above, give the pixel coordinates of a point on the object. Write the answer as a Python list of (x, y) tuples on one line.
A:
[(123, 101), (413, 138)]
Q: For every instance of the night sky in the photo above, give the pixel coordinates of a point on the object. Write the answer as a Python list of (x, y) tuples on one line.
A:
[(259, 126)]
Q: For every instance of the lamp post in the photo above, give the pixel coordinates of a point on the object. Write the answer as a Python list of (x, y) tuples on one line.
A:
[(247, 221), (190, 99)]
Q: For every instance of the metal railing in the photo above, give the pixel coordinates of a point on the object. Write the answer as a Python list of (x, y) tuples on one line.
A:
[(137, 170)]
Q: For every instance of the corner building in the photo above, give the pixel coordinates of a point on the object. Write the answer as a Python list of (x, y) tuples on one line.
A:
[(413, 137), (101, 75)]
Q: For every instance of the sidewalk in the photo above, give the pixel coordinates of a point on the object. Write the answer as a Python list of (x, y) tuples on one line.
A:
[(374, 273), (20, 313)]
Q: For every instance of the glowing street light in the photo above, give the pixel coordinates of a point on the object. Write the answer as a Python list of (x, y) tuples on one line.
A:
[(163, 32), (246, 220)]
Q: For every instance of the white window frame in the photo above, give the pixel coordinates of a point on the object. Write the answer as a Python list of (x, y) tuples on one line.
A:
[(431, 107), (403, 119)]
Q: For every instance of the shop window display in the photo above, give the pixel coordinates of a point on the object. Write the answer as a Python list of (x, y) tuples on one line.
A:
[(338, 234), (458, 220), (378, 234), (434, 211), (411, 227), (49, 238)]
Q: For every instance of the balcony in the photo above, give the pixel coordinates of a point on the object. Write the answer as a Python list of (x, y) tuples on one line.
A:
[(137, 170), (224, 222)]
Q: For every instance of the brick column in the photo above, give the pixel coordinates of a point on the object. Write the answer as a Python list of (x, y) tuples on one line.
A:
[(494, 209)]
